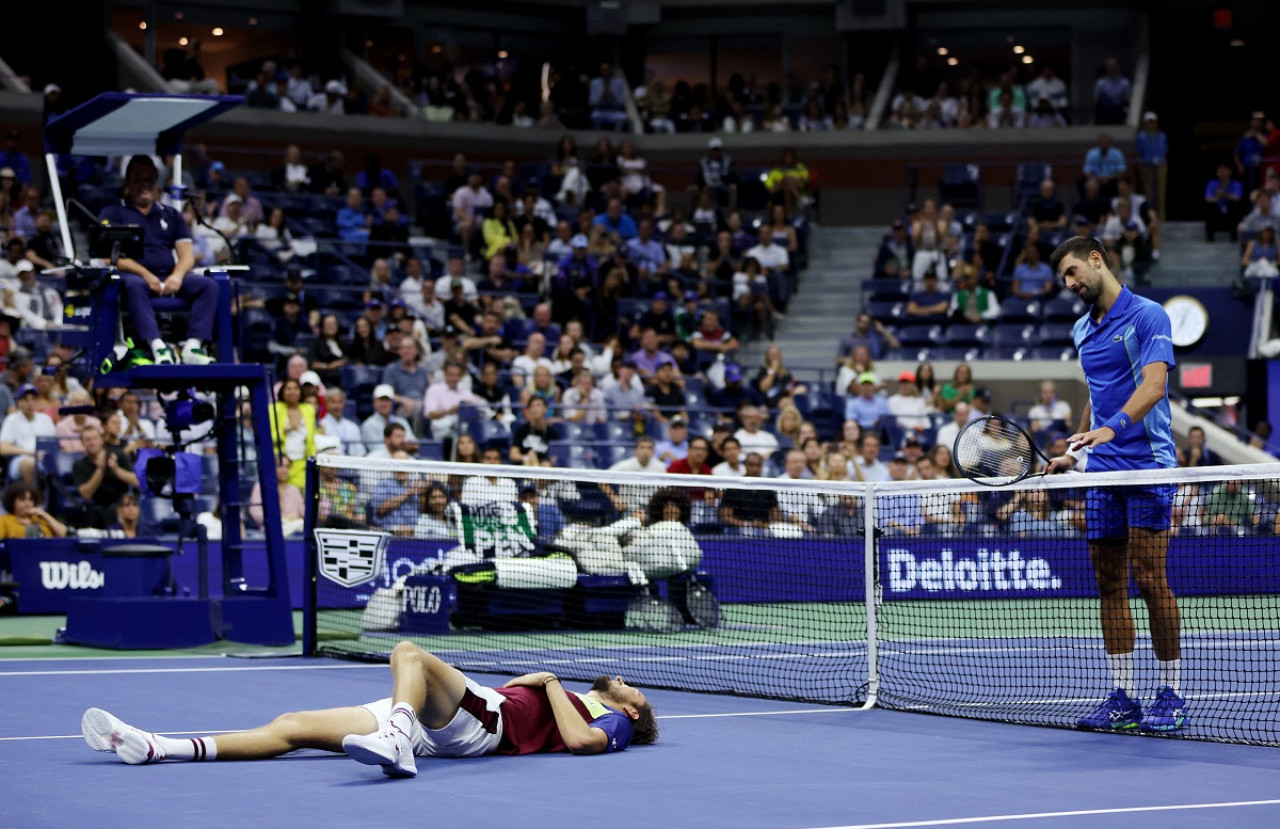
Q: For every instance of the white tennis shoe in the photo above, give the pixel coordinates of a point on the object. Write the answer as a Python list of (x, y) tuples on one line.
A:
[(104, 732), (392, 749)]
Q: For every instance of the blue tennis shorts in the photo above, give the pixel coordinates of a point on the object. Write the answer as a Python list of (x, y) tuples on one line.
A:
[(1111, 511)]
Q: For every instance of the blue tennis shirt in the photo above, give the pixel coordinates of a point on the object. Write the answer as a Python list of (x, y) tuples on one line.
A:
[(1135, 333), (163, 227)]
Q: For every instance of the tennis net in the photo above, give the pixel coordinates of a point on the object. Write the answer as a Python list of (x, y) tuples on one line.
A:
[(956, 599)]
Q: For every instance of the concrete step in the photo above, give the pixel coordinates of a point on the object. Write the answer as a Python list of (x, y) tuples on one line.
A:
[(823, 309)]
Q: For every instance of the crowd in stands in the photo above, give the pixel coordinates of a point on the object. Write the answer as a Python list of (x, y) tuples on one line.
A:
[(481, 92), (564, 315), (594, 308), (1243, 198), (978, 280), (1023, 96)]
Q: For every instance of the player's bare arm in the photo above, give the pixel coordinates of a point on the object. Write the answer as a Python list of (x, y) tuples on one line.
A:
[(1144, 398), (579, 737)]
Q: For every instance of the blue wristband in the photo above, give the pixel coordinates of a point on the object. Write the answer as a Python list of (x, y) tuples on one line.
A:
[(1118, 423)]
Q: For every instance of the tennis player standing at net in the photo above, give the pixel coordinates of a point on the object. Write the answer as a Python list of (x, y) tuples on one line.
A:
[(1126, 351), (435, 711)]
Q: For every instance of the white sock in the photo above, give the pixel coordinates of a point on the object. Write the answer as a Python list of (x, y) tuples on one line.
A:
[(1121, 665), (193, 748), (157, 344), (403, 717), (1170, 673)]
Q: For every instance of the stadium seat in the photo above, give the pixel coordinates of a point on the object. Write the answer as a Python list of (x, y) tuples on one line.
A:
[(491, 431), (575, 432), (1000, 222), (1065, 354), (920, 336), (615, 431), (611, 453), (357, 376), (961, 185), (431, 450), (572, 455), (891, 313), (1064, 309), (1056, 334), (963, 354), (1016, 309), (1007, 337), (965, 335), (1027, 182), (885, 290), (156, 510), (209, 472)]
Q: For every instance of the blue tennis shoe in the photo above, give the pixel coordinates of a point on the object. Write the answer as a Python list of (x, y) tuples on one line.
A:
[(1167, 713), (1115, 713)]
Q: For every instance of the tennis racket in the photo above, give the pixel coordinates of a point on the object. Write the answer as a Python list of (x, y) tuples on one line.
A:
[(995, 451)]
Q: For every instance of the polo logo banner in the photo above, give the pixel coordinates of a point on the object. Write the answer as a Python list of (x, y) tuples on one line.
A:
[(351, 557), (496, 530)]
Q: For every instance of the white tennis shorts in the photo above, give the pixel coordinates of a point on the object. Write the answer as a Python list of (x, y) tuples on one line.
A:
[(474, 731)]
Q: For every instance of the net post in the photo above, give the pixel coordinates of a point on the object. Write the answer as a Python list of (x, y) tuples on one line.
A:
[(871, 595), (310, 519)]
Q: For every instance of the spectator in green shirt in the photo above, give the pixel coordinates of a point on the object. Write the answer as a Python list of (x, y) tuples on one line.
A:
[(1230, 506)]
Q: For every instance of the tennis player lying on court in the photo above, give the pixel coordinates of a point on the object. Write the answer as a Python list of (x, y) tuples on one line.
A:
[(435, 711)]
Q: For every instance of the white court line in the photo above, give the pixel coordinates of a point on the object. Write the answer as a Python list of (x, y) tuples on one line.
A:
[(1076, 700), (1041, 815), (211, 670), (832, 710)]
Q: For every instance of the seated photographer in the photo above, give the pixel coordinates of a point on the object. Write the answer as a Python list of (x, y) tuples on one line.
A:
[(163, 270)]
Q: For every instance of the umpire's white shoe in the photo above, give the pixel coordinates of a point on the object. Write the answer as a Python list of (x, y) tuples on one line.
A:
[(104, 732), (392, 749)]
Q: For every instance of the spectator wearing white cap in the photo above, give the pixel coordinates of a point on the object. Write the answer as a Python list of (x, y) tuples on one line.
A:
[(716, 175), (251, 206), (53, 103), (37, 306), (384, 402), (19, 433), (331, 100)]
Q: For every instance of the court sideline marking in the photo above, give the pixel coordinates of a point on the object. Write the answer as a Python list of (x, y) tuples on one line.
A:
[(1042, 815), (831, 710), (205, 670)]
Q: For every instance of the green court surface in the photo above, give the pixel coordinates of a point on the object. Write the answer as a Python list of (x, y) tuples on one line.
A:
[(809, 622), (32, 637)]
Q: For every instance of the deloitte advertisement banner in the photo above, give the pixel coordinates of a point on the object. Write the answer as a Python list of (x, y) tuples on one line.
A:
[(776, 570), (744, 569)]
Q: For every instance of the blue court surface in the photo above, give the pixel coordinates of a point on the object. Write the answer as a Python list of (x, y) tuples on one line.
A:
[(721, 761)]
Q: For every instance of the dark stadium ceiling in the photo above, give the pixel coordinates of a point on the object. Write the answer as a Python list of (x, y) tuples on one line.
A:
[(269, 11)]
